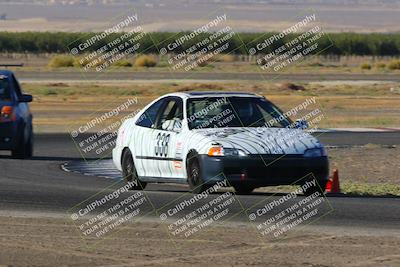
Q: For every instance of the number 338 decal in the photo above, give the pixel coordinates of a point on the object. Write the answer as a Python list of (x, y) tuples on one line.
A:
[(161, 148)]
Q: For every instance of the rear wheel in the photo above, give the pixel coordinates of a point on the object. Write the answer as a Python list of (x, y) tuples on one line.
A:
[(129, 172), (24, 148), (195, 180)]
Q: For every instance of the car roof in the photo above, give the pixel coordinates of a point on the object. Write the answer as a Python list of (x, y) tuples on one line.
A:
[(195, 94), (5, 73)]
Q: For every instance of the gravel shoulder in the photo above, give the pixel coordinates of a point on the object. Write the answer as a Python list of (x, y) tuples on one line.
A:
[(55, 242)]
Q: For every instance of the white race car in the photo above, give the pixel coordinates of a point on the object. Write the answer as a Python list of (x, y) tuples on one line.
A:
[(202, 138)]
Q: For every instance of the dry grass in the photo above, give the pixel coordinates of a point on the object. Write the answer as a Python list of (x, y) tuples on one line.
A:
[(62, 61), (145, 61), (363, 189), (394, 65), (232, 63), (366, 66), (369, 105)]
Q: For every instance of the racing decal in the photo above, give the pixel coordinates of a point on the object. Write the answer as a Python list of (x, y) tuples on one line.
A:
[(161, 148), (178, 150), (178, 165), (178, 155)]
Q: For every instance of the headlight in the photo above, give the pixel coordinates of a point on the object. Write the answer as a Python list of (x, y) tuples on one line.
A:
[(315, 152), (220, 151), (234, 152)]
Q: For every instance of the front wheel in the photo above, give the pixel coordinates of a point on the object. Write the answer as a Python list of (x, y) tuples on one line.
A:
[(195, 180), (129, 172)]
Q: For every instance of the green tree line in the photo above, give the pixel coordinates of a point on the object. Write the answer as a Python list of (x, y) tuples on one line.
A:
[(373, 44)]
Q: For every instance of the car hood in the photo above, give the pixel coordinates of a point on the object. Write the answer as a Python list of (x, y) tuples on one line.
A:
[(259, 140)]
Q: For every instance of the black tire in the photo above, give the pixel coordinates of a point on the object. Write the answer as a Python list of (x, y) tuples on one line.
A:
[(243, 189), (129, 172), (29, 145), (318, 188), (195, 179), (24, 148)]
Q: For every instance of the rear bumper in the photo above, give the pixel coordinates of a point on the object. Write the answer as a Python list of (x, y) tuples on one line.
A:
[(264, 170), (8, 135)]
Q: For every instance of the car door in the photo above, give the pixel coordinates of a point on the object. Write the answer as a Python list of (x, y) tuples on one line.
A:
[(166, 136), (142, 137)]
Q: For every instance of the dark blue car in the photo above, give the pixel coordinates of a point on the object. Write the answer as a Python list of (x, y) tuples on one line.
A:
[(16, 132)]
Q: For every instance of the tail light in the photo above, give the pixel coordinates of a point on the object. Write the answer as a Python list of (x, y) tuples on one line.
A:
[(328, 187), (7, 114)]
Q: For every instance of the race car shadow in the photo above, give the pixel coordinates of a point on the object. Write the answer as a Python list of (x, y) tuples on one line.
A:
[(51, 158), (165, 187), (47, 158), (171, 188)]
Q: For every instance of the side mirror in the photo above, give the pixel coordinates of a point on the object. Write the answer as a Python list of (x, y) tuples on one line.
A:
[(25, 98), (301, 124)]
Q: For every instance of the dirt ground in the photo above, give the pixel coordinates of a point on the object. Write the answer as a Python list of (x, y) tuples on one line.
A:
[(369, 164), (55, 242)]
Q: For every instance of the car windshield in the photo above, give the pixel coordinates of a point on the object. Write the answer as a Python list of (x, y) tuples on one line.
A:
[(221, 112), (4, 89)]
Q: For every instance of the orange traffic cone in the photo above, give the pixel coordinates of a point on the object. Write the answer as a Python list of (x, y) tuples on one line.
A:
[(333, 185), (335, 182)]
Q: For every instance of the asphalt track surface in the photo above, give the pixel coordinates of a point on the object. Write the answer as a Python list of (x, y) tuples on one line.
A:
[(39, 186), (209, 76)]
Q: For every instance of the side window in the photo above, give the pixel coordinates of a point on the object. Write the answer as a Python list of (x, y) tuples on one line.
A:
[(171, 115), (4, 89), (16, 86), (148, 118)]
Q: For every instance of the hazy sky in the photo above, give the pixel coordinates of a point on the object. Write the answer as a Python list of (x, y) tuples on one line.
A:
[(187, 14)]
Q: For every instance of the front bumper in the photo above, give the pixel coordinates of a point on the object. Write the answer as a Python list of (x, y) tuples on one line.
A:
[(264, 170)]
